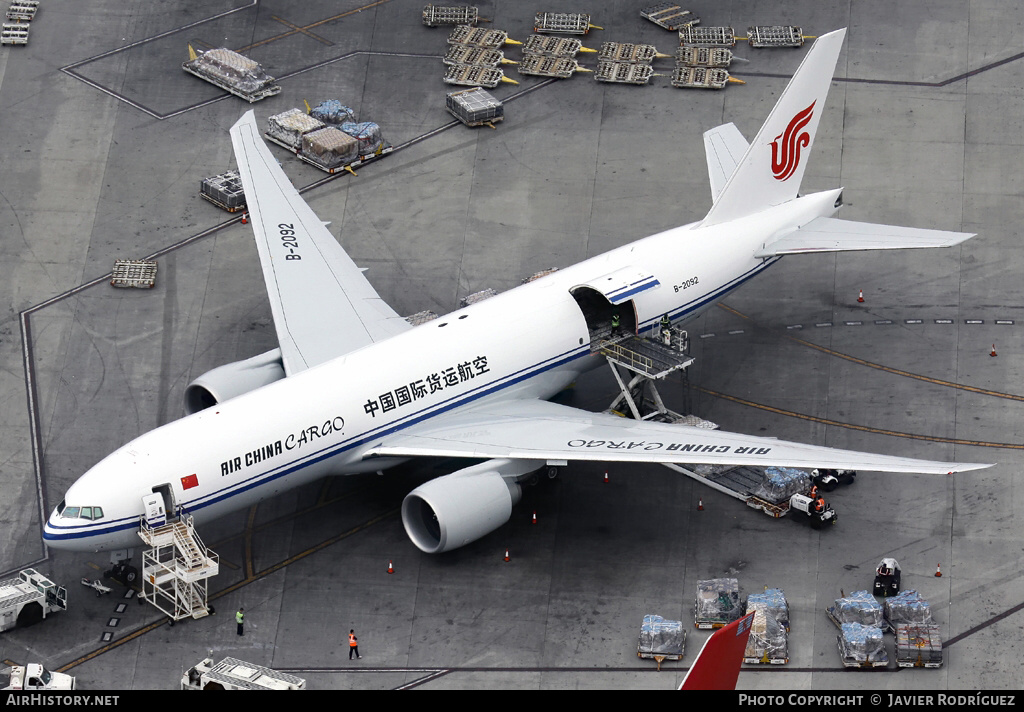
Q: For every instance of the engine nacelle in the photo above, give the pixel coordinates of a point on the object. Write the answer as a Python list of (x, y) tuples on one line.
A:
[(454, 510), (232, 380)]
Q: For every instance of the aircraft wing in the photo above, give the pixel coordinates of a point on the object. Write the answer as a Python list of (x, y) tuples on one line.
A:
[(539, 430), (322, 304), (835, 235), (724, 146)]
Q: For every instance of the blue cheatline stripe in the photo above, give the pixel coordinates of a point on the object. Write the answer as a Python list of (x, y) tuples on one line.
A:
[(523, 374), (617, 295)]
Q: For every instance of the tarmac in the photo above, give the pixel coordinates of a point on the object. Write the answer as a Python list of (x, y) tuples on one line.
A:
[(106, 141)]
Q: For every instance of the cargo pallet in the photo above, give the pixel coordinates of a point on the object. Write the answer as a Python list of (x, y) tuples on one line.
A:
[(436, 15), (558, 67), (623, 72), (669, 16), (918, 645), (628, 52), (350, 167), (140, 274), (479, 37), (475, 107), (251, 98), (710, 57), (23, 10), (543, 46), (15, 34), (765, 660), (224, 190), (762, 36), (475, 56), (470, 76), (707, 37)]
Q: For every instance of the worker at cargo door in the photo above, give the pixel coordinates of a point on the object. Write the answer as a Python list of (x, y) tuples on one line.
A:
[(615, 323), (666, 330)]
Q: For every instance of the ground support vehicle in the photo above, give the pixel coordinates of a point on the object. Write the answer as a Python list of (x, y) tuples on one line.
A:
[(232, 674), (35, 677), (29, 598)]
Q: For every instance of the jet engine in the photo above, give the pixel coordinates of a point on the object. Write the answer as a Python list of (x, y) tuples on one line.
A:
[(453, 510), (232, 380)]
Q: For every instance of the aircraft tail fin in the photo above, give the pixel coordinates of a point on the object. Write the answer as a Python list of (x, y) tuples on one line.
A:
[(773, 166), (717, 666)]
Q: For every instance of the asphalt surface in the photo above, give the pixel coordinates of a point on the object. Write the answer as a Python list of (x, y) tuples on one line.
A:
[(106, 140)]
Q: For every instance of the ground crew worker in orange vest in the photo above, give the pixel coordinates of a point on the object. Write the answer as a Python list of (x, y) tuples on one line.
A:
[(353, 645)]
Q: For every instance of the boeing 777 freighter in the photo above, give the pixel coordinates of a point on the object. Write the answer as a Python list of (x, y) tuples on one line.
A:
[(355, 388)]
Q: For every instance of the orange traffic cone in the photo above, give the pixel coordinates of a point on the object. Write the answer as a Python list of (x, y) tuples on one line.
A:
[(245, 218), (606, 475), (391, 569), (534, 518), (700, 504), (860, 296), (993, 353), (506, 555), (938, 571)]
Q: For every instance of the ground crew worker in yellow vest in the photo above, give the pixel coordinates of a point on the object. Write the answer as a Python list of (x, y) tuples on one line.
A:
[(666, 323), (240, 619), (615, 323), (353, 645)]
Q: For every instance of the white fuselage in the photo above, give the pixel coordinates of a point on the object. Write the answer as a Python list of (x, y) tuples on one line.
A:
[(527, 343)]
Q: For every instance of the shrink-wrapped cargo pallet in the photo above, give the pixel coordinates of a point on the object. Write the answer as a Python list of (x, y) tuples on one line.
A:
[(234, 72), (906, 607), (768, 641), (719, 602), (333, 113), (859, 607), (781, 483), (368, 134), (289, 127), (661, 637), (772, 601), (861, 646), (330, 148)]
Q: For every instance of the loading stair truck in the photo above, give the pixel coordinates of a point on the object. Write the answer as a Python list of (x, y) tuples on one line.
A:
[(232, 674), (28, 599), (35, 677)]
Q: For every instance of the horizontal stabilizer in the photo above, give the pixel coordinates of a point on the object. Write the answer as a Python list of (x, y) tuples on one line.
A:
[(834, 235), (724, 146)]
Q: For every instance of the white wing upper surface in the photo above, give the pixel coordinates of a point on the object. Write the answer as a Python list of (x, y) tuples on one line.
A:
[(322, 304), (540, 430)]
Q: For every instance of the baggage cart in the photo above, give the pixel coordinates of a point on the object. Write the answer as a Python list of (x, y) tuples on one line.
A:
[(557, 67), (762, 36), (623, 72), (669, 16), (707, 37), (139, 274), (287, 128), (23, 10), (711, 57), (475, 56), (437, 15), (14, 34), (701, 78), (628, 52), (470, 76), (479, 37), (569, 23), (566, 47)]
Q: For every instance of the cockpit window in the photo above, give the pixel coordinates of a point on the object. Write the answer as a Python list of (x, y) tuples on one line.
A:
[(97, 512), (86, 513), (70, 512)]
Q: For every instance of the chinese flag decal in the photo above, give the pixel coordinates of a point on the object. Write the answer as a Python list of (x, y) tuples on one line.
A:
[(189, 482)]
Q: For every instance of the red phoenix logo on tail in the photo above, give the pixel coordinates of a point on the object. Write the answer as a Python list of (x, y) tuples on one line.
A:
[(792, 140)]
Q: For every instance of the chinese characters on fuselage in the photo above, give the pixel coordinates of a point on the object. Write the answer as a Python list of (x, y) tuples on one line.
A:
[(423, 387)]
